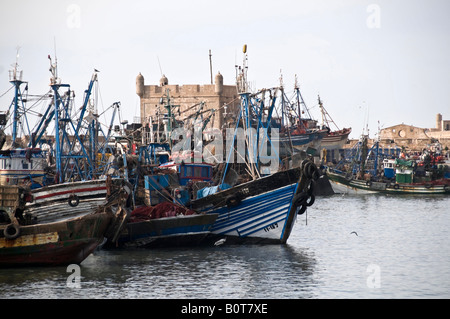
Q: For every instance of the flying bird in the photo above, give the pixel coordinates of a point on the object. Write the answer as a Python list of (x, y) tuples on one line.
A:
[(220, 242), (353, 232)]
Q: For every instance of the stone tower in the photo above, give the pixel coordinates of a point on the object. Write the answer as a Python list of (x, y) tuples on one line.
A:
[(439, 122), (223, 99)]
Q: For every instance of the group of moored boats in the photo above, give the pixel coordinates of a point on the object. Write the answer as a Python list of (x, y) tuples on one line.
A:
[(64, 196), (369, 170)]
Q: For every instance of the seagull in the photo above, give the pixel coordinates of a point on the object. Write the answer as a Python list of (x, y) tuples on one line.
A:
[(220, 242), (353, 232)]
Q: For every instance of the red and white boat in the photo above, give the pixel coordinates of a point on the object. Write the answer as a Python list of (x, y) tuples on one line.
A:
[(68, 200), (334, 139)]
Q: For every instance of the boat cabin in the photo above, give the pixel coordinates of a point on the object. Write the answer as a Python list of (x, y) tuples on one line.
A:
[(175, 179), (404, 171), (188, 172), (20, 164), (389, 168)]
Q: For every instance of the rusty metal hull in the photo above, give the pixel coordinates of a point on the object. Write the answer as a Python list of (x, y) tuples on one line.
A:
[(57, 243)]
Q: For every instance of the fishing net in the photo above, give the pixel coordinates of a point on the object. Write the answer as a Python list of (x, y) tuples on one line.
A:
[(161, 210)]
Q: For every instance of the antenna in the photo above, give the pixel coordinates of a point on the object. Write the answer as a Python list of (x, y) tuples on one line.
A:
[(241, 73), (17, 55), (210, 66), (14, 76), (56, 58)]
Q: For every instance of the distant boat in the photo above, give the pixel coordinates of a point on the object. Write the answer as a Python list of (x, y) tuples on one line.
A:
[(301, 139), (335, 139), (343, 184), (384, 175), (297, 131)]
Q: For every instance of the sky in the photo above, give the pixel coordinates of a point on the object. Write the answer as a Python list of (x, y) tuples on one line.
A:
[(374, 64)]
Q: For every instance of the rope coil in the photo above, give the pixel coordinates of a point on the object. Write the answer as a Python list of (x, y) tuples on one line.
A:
[(306, 198)]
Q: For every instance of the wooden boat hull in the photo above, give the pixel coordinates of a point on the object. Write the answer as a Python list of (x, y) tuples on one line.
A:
[(341, 184), (167, 231), (261, 211), (67, 200), (336, 140), (302, 141), (260, 219), (57, 243)]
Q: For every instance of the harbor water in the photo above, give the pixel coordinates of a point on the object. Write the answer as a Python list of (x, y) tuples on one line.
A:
[(371, 246)]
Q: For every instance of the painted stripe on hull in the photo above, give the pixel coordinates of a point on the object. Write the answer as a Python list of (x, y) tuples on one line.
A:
[(258, 216), (62, 211), (78, 191), (52, 203)]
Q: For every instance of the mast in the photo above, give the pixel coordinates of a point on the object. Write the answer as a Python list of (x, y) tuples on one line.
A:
[(54, 84), (321, 111), (255, 130), (296, 88), (70, 162), (168, 105), (15, 77), (246, 115)]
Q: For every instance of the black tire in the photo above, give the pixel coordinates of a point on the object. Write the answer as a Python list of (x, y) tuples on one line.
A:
[(73, 200), (12, 231)]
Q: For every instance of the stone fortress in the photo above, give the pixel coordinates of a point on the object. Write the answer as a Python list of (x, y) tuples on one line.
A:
[(415, 138), (188, 100)]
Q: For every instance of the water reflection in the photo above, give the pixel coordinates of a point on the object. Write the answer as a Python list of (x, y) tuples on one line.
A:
[(207, 272), (219, 272), (407, 237)]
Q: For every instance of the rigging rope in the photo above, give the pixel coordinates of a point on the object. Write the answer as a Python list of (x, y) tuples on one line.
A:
[(6, 91)]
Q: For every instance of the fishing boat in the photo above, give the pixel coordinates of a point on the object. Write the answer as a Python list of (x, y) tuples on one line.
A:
[(335, 138), (298, 130), (368, 172), (27, 243), (163, 219), (257, 211), (261, 211), (164, 225), (72, 199), (344, 184)]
